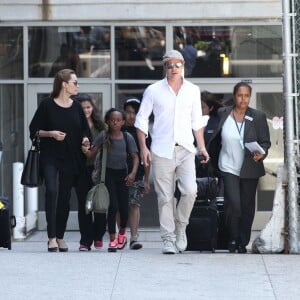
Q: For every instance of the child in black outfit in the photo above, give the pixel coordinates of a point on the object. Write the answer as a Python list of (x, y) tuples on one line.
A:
[(90, 225), (118, 178)]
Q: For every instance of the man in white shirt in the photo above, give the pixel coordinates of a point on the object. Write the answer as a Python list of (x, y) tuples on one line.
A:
[(175, 103)]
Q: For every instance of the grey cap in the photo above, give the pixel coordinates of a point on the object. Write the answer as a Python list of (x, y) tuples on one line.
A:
[(172, 54)]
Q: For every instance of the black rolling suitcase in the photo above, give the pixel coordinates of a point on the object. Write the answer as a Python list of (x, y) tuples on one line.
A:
[(202, 230), (7, 222)]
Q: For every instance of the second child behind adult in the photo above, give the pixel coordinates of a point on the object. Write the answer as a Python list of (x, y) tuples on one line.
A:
[(118, 178), (92, 225), (141, 184)]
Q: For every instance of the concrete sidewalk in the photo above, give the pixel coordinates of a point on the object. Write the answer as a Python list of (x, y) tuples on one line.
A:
[(28, 271)]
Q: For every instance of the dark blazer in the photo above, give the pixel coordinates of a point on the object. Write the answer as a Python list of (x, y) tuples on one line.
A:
[(256, 129)]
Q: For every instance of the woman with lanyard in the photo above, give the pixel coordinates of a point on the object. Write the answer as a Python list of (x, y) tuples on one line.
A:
[(240, 167)]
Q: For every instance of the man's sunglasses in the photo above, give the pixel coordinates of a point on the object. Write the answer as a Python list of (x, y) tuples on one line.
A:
[(176, 65)]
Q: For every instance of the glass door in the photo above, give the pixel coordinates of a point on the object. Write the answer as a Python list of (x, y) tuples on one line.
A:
[(101, 94)]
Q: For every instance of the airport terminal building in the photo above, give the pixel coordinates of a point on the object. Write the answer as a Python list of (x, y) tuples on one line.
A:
[(116, 48)]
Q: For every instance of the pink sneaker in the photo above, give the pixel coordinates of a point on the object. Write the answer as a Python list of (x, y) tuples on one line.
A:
[(84, 248), (122, 241), (98, 244), (113, 246)]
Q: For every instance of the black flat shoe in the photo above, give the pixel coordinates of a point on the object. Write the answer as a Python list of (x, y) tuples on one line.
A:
[(52, 249), (63, 249), (62, 246), (52, 246), (241, 249), (232, 246)]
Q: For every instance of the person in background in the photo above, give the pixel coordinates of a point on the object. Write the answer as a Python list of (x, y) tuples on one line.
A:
[(240, 168), (68, 58), (189, 53), (141, 184), (210, 106), (62, 127), (91, 226), (117, 178), (175, 104)]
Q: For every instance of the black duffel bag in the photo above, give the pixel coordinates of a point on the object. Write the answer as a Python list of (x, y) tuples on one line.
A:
[(207, 188)]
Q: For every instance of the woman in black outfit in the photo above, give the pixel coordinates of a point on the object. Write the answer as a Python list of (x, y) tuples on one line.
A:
[(240, 168), (62, 126)]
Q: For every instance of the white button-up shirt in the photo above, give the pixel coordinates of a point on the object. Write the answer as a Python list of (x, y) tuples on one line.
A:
[(174, 116)]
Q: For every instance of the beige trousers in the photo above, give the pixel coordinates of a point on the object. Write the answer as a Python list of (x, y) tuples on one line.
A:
[(165, 172)]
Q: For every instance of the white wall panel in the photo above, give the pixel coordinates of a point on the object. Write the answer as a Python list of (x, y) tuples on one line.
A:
[(93, 10)]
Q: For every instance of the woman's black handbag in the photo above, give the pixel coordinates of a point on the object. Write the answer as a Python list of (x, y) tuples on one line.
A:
[(31, 175)]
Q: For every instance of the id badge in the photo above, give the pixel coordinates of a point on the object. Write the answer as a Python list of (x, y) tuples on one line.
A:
[(242, 145)]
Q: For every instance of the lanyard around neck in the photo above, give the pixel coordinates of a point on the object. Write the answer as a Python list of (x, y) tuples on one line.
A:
[(239, 129)]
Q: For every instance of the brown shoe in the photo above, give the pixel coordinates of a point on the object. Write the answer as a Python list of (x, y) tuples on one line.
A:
[(62, 246), (52, 245)]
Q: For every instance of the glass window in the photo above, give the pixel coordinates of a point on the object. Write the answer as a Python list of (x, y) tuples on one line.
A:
[(230, 51), (139, 50), (11, 133), (124, 91), (11, 53), (84, 49)]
